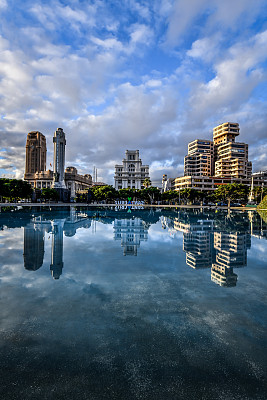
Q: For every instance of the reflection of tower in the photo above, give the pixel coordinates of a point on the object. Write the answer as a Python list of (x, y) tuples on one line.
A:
[(33, 247), (57, 248), (131, 232), (231, 253), (197, 242), (59, 158)]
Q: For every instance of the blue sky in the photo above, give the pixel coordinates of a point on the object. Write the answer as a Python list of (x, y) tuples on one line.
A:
[(147, 75)]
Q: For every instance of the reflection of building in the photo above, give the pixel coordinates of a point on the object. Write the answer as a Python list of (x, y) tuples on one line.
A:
[(130, 232), (132, 173), (33, 247), (232, 248), (197, 242), (231, 252), (57, 248), (34, 239), (219, 250), (223, 275)]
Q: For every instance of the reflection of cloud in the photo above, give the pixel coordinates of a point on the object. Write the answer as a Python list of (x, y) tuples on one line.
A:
[(128, 320)]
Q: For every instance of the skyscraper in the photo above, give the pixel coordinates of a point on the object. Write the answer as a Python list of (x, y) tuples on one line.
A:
[(231, 157), (209, 164), (35, 153), (199, 161)]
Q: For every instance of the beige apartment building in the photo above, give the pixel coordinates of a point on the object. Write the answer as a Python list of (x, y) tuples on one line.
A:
[(210, 164), (199, 161), (231, 157)]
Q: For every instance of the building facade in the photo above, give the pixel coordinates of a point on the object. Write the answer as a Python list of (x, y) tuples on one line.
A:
[(209, 164), (200, 158), (35, 153), (35, 167), (131, 173)]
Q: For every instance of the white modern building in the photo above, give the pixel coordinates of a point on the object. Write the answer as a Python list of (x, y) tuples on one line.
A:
[(132, 173)]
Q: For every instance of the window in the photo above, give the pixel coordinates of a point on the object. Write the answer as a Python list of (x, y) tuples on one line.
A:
[(131, 168)]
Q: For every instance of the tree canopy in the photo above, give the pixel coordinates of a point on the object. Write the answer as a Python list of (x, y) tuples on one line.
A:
[(14, 189), (232, 192)]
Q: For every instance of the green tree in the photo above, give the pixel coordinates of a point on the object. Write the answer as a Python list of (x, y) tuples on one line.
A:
[(151, 194), (259, 193), (107, 192), (232, 192), (170, 195), (129, 193), (14, 189), (49, 194), (189, 194)]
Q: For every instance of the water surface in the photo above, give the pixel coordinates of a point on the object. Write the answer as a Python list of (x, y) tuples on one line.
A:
[(132, 304)]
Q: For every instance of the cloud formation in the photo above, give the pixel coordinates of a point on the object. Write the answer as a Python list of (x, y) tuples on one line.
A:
[(132, 75)]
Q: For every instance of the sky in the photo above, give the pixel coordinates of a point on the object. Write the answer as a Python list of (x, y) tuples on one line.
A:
[(126, 74)]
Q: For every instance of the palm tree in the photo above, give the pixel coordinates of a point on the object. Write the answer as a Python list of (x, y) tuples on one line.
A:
[(147, 183)]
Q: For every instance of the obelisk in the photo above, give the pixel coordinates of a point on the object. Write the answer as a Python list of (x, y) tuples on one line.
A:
[(59, 159)]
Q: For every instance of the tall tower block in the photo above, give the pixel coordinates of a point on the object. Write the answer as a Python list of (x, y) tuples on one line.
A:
[(59, 158), (35, 153), (225, 132)]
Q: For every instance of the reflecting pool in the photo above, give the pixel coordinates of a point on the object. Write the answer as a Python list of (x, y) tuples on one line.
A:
[(101, 303)]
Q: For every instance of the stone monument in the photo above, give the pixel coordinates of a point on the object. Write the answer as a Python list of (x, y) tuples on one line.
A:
[(59, 164)]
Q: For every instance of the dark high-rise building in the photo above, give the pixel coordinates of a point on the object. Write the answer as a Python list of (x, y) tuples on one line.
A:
[(33, 247), (35, 153)]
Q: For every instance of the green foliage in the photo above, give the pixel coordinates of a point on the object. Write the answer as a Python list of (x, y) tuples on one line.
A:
[(14, 189), (263, 204), (104, 193), (189, 194), (259, 193), (170, 195), (49, 194), (151, 194), (126, 193), (232, 192)]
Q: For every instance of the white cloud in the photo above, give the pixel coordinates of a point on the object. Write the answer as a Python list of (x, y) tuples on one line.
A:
[(216, 15), (141, 33), (3, 4), (206, 48), (75, 66), (237, 74)]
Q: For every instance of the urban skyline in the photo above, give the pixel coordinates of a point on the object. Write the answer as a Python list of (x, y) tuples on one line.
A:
[(151, 76)]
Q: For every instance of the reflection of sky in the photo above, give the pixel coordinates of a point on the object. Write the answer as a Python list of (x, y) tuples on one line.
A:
[(147, 312)]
